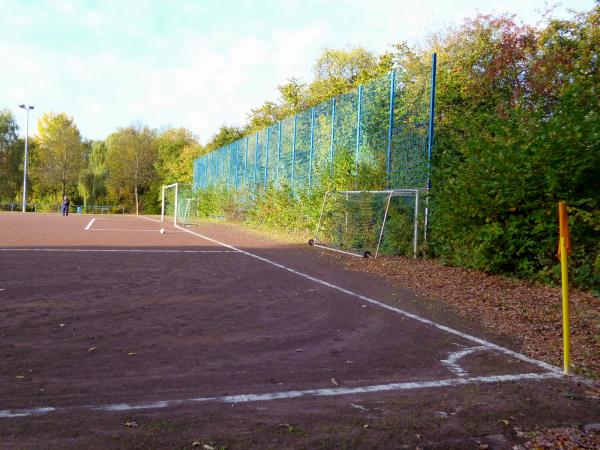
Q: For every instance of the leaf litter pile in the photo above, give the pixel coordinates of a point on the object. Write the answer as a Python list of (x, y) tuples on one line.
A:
[(527, 312), (530, 313)]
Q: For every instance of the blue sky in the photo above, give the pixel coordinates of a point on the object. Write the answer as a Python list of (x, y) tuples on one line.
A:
[(196, 64)]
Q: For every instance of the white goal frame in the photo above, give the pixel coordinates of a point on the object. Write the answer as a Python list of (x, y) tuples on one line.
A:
[(390, 193), (176, 205)]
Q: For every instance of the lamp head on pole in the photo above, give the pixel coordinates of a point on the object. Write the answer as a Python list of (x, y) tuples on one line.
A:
[(26, 106)]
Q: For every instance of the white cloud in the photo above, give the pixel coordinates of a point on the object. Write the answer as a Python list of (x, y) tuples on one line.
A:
[(202, 65)]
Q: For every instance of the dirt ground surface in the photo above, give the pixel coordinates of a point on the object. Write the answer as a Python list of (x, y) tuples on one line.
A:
[(116, 336)]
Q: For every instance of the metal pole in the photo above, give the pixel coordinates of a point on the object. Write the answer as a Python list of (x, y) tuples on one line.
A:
[(278, 151), (162, 207), (333, 108), (358, 119), (388, 161), (387, 208), (176, 203), (26, 108), (255, 158), (267, 156), (430, 132), (430, 135), (416, 233), (312, 145), (246, 162), (563, 254), (294, 148), (237, 164)]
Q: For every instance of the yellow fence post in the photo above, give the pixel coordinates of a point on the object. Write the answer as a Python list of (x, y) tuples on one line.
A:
[(564, 250)]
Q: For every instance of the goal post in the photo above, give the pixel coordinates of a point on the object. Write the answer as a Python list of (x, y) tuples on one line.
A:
[(178, 200), (169, 206), (370, 223)]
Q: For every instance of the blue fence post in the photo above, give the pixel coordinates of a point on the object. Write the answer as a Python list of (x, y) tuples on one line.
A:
[(228, 160), (331, 148), (278, 151), (231, 174), (237, 163), (267, 155), (430, 131), (255, 159), (388, 159), (312, 145), (246, 164), (294, 148), (222, 174), (358, 121)]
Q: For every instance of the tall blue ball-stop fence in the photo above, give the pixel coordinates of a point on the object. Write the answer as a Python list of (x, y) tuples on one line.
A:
[(385, 127)]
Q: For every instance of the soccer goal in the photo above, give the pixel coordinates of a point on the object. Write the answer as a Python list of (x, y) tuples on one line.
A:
[(178, 201), (370, 223)]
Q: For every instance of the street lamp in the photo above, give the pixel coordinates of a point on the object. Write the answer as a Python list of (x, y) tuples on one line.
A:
[(26, 108)]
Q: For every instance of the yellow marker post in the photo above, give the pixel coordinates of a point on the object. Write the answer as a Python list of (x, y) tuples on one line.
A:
[(564, 250)]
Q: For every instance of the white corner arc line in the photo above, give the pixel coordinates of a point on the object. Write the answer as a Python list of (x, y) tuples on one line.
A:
[(466, 336), (451, 362), (90, 224), (270, 396)]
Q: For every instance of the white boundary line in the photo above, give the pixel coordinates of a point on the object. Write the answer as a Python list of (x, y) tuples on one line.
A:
[(150, 218), (546, 366), (90, 224), (117, 250), (128, 230), (270, 396)]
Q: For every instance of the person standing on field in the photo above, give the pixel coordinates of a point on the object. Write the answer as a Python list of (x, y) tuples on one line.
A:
[(65, 206)]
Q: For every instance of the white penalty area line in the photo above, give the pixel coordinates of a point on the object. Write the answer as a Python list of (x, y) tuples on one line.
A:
[(246, 398), (483, 342), (115, 250)]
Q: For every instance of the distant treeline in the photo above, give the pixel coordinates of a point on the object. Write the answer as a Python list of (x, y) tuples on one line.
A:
[(517, 130)]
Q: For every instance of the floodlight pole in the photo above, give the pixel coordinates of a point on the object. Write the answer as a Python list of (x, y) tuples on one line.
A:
[(26, 108)]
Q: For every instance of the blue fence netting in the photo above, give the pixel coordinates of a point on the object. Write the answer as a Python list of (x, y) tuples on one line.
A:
[(384, 128)]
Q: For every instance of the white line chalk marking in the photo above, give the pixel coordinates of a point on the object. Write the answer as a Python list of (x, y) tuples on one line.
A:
[(116, 250), (130, 230), (89, 224), (364, 298), (329, 392), (25, 412), (150, 218), (452, 361)]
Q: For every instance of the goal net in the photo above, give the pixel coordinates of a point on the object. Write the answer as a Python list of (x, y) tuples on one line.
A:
[(179, 204), (370, 223)]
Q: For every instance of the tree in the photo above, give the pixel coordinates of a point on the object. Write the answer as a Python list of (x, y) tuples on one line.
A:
[(92, 179), (177, 149), (224, 136), (338, 71), (11, 155), (59, 156), (130, 157)]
